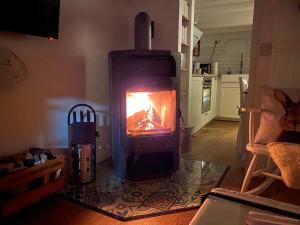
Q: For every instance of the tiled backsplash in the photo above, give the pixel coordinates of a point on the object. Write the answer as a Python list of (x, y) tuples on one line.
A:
[(228, 51)]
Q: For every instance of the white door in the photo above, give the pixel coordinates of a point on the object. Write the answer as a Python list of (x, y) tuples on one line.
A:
[(197, 87)]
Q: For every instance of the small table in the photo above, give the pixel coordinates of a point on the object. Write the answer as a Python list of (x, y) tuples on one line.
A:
[(227, 207)]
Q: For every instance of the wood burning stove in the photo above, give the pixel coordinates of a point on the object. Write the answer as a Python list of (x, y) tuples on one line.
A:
[(144, 87)]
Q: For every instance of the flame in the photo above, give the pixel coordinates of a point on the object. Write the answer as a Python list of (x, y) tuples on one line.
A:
[(138, 101), (150, 112), (141, 102)]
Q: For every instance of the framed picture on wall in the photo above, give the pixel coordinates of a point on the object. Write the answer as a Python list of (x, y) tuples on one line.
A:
[(196, 50)]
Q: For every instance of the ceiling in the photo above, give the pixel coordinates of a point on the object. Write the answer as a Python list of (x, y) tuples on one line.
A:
[(224, 14)]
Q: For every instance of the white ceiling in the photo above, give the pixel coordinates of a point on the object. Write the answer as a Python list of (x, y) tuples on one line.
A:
[(215, 14)]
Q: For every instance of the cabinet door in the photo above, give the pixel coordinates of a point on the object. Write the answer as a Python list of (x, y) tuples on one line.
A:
[(229, 100), (196, 107)]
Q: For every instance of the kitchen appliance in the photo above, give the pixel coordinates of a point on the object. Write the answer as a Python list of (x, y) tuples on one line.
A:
[(82, 139), (196, 68), (206, 94), (215, 68), (205, 68)]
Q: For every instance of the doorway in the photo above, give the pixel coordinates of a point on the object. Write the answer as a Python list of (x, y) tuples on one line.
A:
[(226, 46)]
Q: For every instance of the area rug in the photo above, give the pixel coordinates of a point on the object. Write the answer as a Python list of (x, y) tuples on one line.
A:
[(131, 200)]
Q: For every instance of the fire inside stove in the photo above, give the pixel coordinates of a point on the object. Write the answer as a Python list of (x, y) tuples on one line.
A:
[(150, 113)]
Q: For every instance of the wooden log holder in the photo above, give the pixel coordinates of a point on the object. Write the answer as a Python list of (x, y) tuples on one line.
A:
[(29, 185)]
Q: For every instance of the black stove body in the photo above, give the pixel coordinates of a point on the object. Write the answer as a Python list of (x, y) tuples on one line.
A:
[(144, 91), (145, 97)]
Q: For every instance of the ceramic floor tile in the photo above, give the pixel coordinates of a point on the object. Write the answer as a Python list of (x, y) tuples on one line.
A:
[(128, 200)]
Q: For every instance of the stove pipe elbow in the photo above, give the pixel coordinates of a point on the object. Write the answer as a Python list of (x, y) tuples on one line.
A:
[(142, 31)]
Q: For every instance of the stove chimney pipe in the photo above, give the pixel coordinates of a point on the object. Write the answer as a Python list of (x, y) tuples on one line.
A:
[(142, 31)]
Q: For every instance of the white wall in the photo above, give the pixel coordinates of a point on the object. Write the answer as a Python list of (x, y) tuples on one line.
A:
[(228, 50), (73, 69)]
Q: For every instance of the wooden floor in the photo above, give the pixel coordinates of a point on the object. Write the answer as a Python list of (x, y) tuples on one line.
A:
[(216, 142)]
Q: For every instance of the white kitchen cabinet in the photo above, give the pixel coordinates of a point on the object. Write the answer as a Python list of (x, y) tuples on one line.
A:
[(229, 96), (196, 101), (200, 119), (229, 100)]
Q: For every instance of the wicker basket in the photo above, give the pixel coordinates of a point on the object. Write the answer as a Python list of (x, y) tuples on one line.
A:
[(287, 157)]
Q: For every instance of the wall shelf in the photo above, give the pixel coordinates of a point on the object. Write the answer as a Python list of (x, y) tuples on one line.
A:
[(185, 40)]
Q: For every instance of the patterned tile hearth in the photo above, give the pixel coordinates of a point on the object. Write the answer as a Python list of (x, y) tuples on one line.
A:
[(132, 200)]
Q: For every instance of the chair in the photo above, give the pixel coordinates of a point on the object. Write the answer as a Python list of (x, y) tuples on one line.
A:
[(270, 172)]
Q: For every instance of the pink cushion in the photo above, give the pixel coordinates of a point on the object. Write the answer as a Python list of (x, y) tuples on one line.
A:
[(280, 117)]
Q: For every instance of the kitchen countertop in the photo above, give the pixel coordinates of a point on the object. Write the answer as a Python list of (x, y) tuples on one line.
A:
[(233, 77), (205, 75)]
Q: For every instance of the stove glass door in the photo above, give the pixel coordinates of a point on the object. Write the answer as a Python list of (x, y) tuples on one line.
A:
[(150, 112)]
